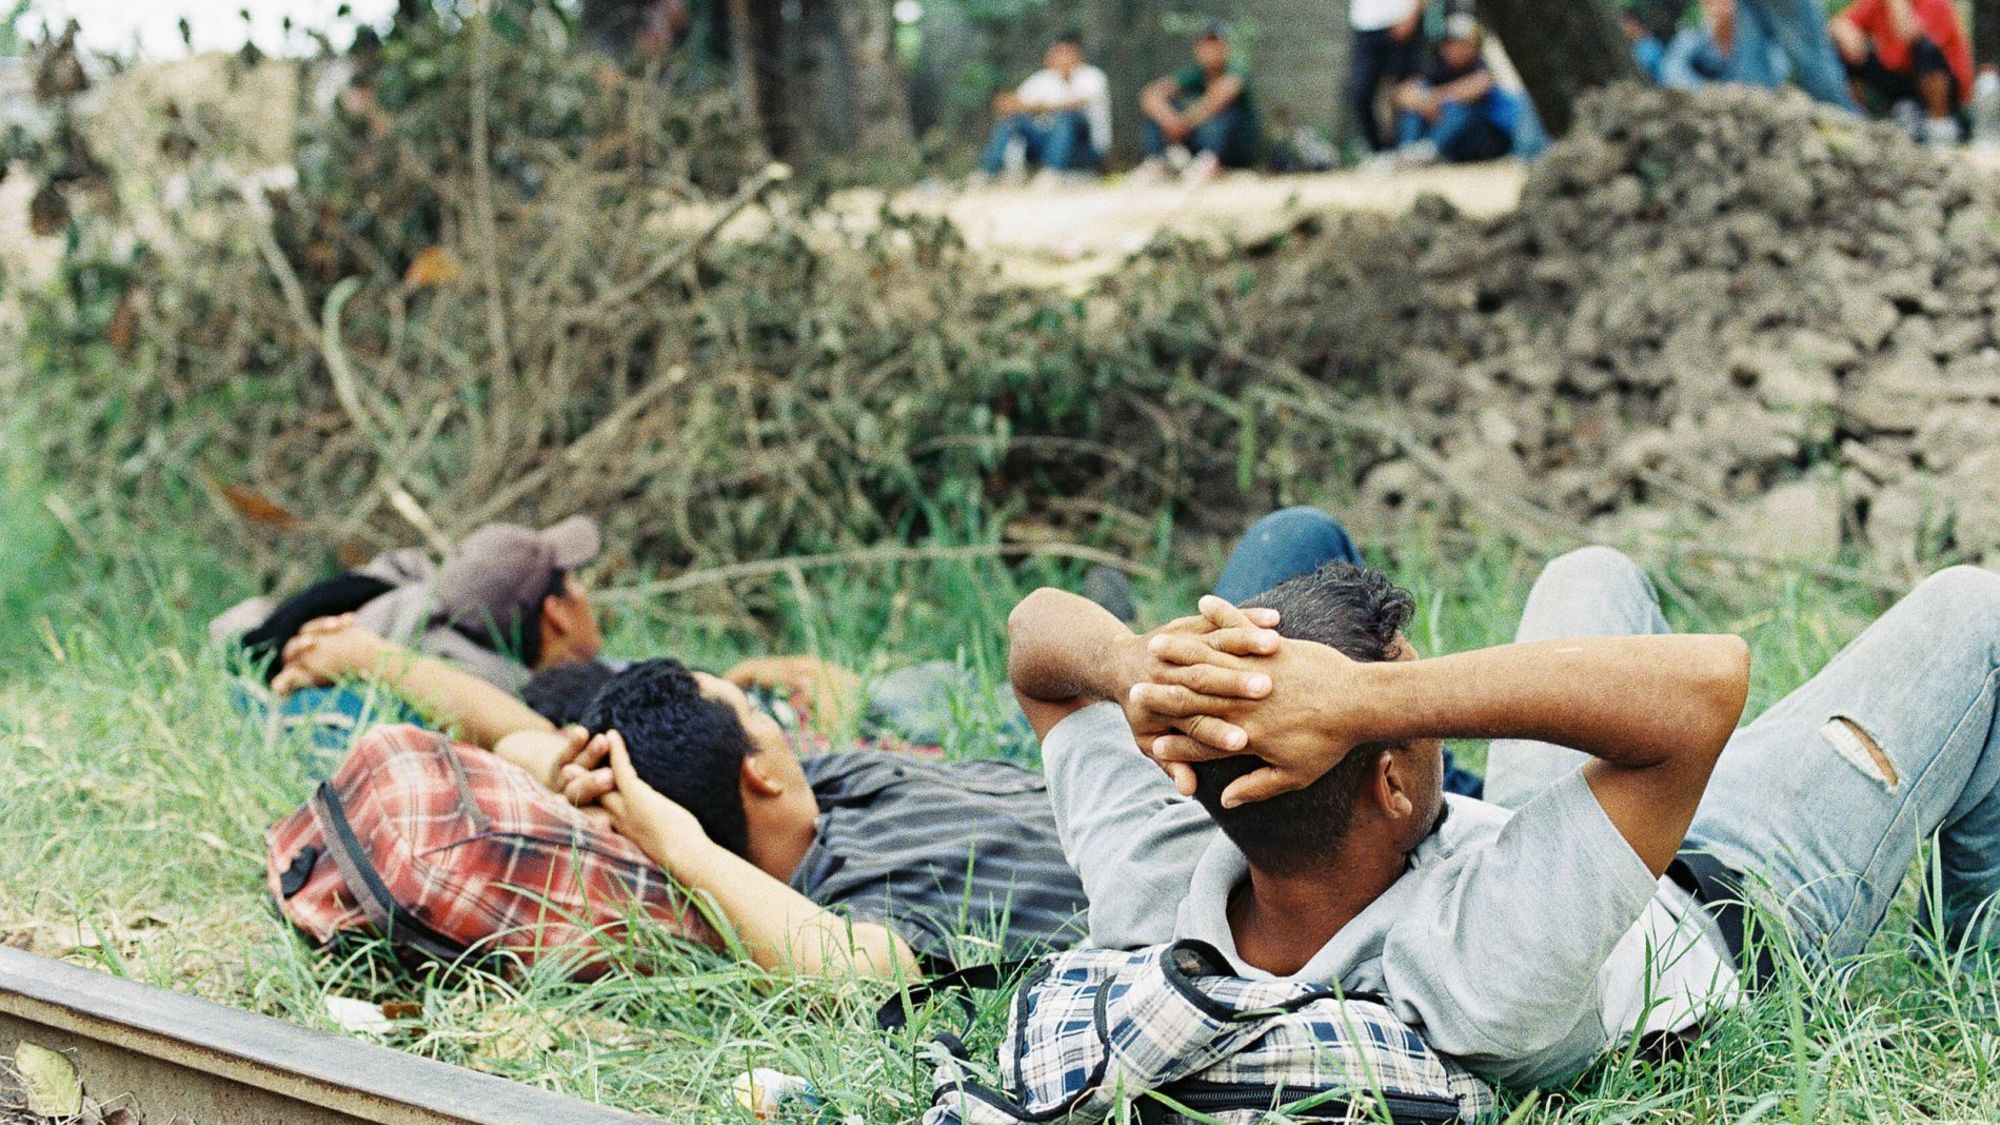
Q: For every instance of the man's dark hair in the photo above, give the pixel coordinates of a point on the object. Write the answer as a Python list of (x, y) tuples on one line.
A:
[(684, 744), (1070, 39), (1358, 611), (563, 693)]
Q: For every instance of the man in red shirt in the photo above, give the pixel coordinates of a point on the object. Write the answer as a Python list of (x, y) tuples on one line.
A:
[(1908, 50)]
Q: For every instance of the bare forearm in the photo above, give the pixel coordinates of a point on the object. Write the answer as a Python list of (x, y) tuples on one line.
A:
[(1903, 21), (1468, 89), (1224, 91), (483, 713), (1157, 102), (1061, 647), (1636, 702), (779, 927)]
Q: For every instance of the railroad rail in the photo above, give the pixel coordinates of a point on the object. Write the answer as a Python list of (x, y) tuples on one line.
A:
[(181, 1056)]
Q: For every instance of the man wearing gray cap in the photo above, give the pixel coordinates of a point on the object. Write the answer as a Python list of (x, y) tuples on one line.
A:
[(502, 606)]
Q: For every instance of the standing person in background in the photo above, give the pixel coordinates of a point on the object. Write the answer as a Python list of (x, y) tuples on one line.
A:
[(1795, 31), (1061, 114), (1206, 108), (1386, 41), (1908, 53)]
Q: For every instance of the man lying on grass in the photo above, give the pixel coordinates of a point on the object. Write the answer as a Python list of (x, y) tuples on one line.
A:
[(858, 861), (1525, 940)]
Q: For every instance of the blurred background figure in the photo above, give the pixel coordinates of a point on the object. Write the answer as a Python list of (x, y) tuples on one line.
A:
[(1205, 110), (1059, 120), (1909, 59), (1386, 46)]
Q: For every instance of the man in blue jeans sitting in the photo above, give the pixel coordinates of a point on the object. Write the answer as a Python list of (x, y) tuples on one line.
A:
[(1061, 116), (1456, 112)]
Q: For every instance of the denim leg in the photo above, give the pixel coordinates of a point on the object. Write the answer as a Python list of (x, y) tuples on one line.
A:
[(1004, 131), (1465, 133), (1282, 545), (1217, 134), (1152, 139), (1411, 128), (1756, 46), (1798, 29), (1826, 798), (1067, 138), (1590, 592)]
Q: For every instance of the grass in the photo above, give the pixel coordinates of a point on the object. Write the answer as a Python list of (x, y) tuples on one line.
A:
[(133, 796)]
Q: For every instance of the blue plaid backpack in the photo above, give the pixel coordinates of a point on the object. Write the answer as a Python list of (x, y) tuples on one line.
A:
[(1166, 1036)]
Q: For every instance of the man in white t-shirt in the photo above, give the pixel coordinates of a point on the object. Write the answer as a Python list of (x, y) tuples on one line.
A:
[(1385, 53), (1595, 901), (1061, 114)]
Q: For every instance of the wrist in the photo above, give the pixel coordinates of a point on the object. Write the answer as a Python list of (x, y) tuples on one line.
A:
[(1126, 662)]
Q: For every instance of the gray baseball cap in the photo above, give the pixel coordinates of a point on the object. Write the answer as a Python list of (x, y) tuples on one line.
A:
[(502, 571)]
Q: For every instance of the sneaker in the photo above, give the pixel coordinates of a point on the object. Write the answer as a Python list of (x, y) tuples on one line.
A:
[(1202, 169), (1941, 132), (1152, 170), (1417, 154), (1908, 118), (1109, 588), (1048, 179)]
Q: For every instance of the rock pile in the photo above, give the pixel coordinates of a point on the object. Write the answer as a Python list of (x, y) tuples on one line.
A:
[(1772, 316)]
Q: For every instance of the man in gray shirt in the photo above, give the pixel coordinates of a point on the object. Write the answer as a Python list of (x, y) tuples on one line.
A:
[(1302, 831)]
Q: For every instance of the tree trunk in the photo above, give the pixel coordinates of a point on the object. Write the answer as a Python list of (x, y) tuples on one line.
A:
[(1985, 33), (743, 57), (1561, 48), (876, 87)]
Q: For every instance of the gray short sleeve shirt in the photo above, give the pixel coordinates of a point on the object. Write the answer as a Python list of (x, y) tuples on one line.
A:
[(1522, 944)]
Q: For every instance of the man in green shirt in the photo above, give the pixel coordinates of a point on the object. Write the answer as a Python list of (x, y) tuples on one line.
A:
[(1207, 108)]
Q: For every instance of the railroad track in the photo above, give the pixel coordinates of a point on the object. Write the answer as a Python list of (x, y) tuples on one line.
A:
[(173, 1055)]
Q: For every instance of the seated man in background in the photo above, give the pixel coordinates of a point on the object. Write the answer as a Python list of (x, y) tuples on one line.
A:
[(1061, 116), (1303, 834), (1909, 58), (1457, 111), (1206, 109)]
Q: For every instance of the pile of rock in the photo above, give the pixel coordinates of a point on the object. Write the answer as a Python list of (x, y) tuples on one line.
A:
[(1771, 317)]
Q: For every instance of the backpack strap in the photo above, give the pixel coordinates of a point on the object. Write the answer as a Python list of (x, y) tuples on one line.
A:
[(370, 891), (895, 1012)]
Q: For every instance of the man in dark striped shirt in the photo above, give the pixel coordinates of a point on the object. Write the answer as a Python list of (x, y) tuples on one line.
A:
[(859, 860)]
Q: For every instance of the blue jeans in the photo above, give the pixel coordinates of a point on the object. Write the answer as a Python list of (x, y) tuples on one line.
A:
[(1462, 133), (330, 717), (1293, 542), (1221, 135), (1794, 30), (1059, 142), (1797, 802)]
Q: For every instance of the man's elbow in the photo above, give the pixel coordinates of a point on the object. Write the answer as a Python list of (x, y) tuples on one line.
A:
[(1725, 679)]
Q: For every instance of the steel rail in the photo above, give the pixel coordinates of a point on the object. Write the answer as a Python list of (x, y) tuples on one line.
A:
[(178, 1055)]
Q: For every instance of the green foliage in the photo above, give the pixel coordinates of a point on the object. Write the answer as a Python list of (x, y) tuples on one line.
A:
[(122, 738)]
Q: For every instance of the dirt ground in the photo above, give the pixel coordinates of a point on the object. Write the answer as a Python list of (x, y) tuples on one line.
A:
[(1068, 236)]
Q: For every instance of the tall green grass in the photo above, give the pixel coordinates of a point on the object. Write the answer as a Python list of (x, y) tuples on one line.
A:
[(133, 796)]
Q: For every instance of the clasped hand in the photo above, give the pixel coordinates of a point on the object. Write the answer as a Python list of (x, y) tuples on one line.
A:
[(594, 773), (1224, 683)]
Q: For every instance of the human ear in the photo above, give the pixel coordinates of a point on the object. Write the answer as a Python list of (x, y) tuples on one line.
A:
[(1391, 788), (557, 615), (758, 779)]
